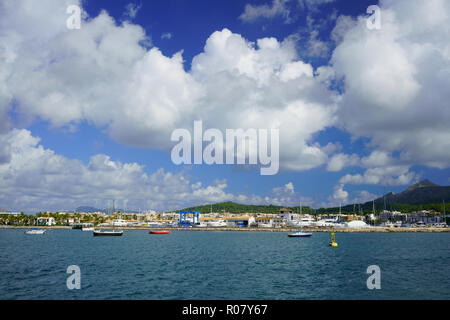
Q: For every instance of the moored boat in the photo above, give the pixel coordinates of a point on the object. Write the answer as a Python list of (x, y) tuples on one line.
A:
[(109, 233), (35, 231), (299, 234), (99, 233), (88, 227), (159, 232)]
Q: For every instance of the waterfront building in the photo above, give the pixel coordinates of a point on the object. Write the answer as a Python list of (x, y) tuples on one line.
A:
[(48, 221), (387, 215), (424, 217), (239, 221), (264, 221)]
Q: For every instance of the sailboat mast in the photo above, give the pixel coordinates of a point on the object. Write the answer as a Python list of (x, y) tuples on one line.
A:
[(373, 210), (114, 211), (445, 218)]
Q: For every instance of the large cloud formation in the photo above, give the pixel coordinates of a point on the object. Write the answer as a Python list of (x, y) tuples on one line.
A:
[(36, 179), (395, 88), (103, 74), (396, 82)]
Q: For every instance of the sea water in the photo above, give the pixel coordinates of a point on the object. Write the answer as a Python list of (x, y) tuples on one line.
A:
[(223, 265)]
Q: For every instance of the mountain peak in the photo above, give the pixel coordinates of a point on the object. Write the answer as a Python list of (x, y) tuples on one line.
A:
[(422, 184)]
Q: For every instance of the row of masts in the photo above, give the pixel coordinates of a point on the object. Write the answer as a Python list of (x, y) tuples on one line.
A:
[(340, 207)]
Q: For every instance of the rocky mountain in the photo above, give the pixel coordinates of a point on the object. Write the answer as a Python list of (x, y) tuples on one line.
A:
[(423, 192)]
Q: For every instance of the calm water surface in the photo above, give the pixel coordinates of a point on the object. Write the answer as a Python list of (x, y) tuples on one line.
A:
[(223, 265)]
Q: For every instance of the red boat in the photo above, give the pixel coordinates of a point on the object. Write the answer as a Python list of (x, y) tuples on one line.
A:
[(159, 232)]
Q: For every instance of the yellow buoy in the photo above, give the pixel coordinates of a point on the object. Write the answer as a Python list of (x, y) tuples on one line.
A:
[(333, 243)]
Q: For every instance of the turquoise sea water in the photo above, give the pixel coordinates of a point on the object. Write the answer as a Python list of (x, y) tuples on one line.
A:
[(223, 265)]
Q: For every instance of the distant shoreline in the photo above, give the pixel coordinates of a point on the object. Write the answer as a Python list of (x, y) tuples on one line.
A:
[(337, 230)]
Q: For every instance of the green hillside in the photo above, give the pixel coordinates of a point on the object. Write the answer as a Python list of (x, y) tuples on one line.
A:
[(233, 207), (423, 195)]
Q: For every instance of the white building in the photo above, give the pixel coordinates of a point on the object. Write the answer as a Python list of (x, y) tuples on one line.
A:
[(119, 223), (48, 221), (386, 215)]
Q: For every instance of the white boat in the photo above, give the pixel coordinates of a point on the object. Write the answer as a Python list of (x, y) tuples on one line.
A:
[(299, 234), (155, 225), (305, 222), (325, 223), (35, 231), (119, 223), (264, 225), (217, 224), (199, 225), (87, 227), (99, 233)]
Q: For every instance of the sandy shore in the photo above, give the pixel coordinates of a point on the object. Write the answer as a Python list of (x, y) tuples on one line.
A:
[(325, 229)]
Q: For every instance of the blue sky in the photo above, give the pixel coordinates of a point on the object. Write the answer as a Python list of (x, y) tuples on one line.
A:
[(354, 155)]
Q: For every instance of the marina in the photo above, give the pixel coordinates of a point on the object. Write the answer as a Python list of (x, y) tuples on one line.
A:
[(310, 229)]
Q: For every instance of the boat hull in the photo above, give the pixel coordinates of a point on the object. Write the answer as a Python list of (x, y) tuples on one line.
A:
[(35, 232), (299, 235), (107, 233), (159, 232)]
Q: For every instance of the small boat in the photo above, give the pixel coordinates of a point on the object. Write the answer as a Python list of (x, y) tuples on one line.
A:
[(111, 233), (299, 234), (88, 227), (159, 232), (108, 233), (200, 225), (35, 231), (216, 224)]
